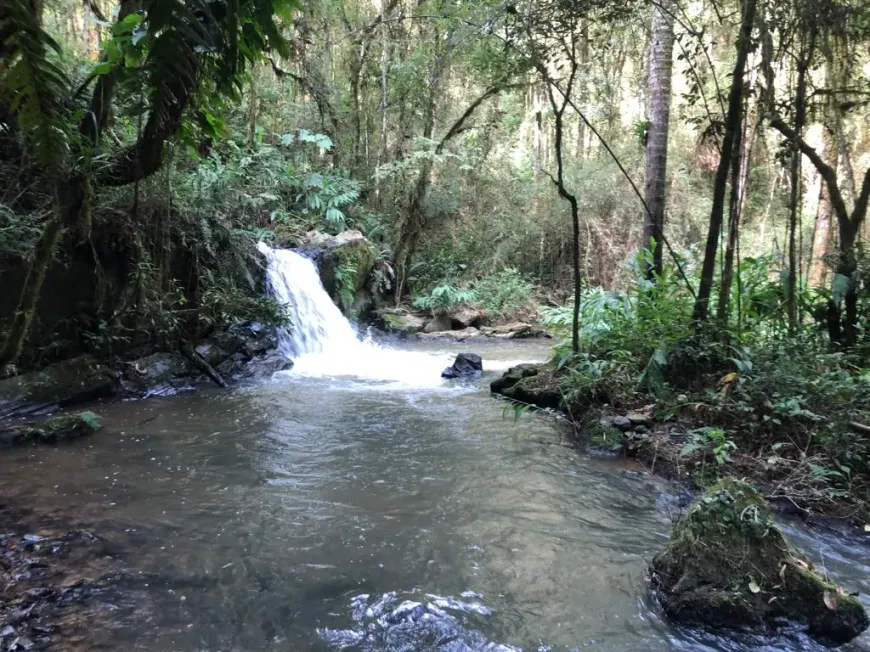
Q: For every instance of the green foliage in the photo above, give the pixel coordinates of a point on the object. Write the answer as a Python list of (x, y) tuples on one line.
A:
[(708, 440), (444, 298), (504, 292)]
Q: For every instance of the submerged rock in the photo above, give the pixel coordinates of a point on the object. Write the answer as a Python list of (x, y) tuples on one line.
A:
[(53, 430), (466, 365), (727, 565), (61, 384), (527, 383)]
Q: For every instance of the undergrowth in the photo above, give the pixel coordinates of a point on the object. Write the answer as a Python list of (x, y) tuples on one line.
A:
[(741, 398)]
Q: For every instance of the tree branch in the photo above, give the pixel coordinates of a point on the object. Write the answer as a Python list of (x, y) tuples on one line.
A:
[(825, 170), (457, 126)]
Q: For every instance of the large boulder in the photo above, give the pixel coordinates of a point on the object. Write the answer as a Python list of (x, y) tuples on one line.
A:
[(61, 384), (727, 565), (399, 320), (345, 262), (455, 336), (466, 365), (527, 383), (466, 317), (64, 427), (438, 324), (513, 331), (158, 374)]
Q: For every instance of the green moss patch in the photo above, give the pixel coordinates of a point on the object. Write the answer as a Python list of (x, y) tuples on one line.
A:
[(728, 565)]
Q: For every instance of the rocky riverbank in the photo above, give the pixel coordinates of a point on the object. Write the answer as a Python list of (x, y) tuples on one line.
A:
[(57, 583)]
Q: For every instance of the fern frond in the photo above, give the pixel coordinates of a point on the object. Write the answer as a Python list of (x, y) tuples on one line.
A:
[(32, 86)]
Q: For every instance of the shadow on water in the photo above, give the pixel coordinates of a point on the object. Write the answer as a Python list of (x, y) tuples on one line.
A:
[(315, 513)]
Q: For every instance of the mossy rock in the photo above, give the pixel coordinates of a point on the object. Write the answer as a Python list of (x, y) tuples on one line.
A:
[(728, 565), (345, 263), (65, 427), (530, 384), (58, 385)]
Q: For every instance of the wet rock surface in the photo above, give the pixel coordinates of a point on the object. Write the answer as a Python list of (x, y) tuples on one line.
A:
[(59, 585), (727, 565), (240, 352), (466, 365), (61, 384)]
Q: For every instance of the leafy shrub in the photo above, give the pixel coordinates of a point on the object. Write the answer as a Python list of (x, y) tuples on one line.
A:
[(504, 292), (444, 298)]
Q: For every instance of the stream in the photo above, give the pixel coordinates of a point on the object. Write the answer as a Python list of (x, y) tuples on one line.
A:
[(313, 513), (360, 502)]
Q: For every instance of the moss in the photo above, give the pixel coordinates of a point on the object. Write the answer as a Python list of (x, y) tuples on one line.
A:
[(530, 384), (728, 565), (61, 428)]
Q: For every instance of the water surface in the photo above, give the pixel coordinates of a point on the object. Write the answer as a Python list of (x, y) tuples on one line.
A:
[(316, 513)]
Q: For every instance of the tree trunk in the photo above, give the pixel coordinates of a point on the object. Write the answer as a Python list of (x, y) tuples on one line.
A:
[(795, 195), (661, 50), (822, 229), (732, 120), (30, 293)]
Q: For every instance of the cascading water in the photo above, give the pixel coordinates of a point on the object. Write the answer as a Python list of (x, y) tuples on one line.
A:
[(321, 342)]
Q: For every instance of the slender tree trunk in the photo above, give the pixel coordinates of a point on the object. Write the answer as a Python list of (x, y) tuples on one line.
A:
[(31, 291), (824, 214), (661, 55), (733, 227), (795, 195), (732, 120), (252, 110)]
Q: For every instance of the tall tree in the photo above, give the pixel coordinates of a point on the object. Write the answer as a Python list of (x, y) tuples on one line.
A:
[(732, 126), (661, 50)]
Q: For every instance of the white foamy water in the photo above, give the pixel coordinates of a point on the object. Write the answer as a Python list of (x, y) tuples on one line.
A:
[(322, 343)]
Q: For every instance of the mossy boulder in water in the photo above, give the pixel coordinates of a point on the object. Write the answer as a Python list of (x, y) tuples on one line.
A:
[(527, 383), (727, 565), (64, 427)]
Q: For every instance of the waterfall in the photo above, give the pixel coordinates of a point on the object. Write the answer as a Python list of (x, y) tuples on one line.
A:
[(322, 342), (316, 322)]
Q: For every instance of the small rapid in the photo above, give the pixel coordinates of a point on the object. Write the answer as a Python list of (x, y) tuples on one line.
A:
[(323, 343)]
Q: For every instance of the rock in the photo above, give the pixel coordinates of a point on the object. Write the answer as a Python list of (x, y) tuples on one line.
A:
[(266, 365), (457, 336), (465, 318), (398, 320), (727, 565), (640, 429), (512, 376), (515, 330), (55, 429), (639, 419), (466, 365), (345, 262), (621, 422), (212, 353), (59, 385), (526, 384), (158, 374), (438, 324)]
